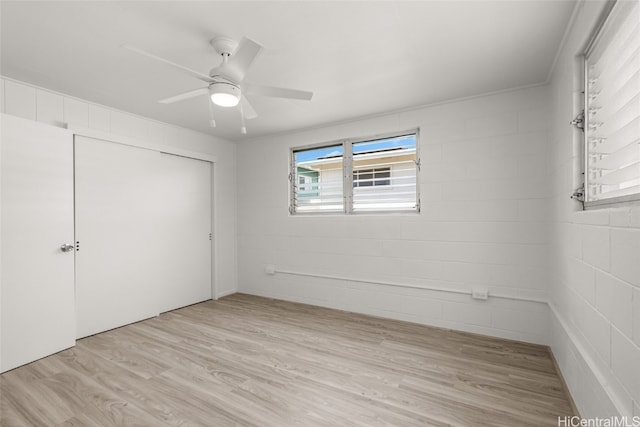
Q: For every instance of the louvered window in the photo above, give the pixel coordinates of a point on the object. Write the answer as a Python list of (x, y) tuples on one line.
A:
[(612, 113), (357, 175)]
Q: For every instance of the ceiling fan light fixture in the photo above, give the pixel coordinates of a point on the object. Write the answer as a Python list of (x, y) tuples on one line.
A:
[(224, 94)]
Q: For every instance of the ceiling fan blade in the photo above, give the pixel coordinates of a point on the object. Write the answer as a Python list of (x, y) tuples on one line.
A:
[(186, 95), (247, 108), (193, 73), (277, 92), (236, 68)]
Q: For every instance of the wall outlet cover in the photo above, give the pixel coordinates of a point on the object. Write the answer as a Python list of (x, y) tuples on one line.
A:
[(480, 293)]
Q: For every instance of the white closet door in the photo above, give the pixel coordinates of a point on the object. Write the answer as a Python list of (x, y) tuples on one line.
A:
[(143, 221), (186, 190), (37, 281), (119, 210)]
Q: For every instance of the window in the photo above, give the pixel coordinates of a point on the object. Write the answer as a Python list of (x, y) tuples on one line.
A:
[(371, 177), (306, 179), (357, 175), (612, 108)]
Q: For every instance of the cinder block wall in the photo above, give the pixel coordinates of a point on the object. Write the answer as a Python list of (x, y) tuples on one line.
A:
[(484, 222), (595, 262)]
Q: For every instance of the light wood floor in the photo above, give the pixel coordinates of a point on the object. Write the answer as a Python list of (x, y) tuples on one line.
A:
[(250, 361)]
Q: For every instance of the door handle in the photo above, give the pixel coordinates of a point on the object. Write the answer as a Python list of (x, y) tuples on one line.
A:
[(66, 248)]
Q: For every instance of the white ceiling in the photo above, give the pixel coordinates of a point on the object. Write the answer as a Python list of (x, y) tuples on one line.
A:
[(360, 58)]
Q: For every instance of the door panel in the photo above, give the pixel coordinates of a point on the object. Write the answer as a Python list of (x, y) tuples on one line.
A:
[(117, 206), (37, 287), (186, 188)]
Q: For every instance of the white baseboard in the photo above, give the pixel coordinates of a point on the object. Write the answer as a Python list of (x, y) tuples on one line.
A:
[(588, 385)]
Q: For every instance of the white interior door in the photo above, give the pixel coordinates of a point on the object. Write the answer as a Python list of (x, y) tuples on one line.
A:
[(186, 196), (143, 220), (37, 308)]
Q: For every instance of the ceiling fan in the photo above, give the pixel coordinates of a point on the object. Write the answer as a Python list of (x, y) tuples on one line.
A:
[(225, 83)]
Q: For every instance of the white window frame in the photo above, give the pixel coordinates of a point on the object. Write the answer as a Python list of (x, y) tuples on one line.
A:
[(347, 175), (585, 116)]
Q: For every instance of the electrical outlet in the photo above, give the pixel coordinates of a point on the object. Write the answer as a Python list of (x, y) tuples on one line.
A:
[(270, 269), (480, 293)]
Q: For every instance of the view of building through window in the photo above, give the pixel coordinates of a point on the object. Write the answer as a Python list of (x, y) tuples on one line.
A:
[(319, 179)]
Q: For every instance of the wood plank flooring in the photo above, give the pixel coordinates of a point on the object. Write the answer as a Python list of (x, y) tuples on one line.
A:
[(251, 361)]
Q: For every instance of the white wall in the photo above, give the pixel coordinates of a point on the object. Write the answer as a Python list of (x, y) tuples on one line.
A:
[(23, 100), (595, 264), (484, 188)]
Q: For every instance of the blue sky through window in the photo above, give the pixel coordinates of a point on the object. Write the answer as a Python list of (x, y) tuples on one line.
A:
[(405, 141), (316, 153)]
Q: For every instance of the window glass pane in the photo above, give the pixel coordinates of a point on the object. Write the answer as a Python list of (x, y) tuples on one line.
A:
[(612, 112), (318, 180), (384, 174)]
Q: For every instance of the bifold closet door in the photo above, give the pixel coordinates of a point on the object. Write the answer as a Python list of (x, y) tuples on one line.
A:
[(143, 242), (37, 312)]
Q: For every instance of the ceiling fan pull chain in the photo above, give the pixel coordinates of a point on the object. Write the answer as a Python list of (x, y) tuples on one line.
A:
[(212, 121), (243, 128)]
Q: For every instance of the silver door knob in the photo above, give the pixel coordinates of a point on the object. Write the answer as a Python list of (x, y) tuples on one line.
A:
[(66, 248)]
